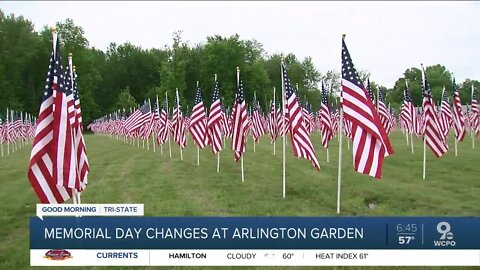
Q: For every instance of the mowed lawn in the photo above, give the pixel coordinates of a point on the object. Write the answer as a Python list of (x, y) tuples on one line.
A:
[(122, 173)]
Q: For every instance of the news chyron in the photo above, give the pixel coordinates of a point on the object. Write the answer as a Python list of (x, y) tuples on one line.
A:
[(120, 235)]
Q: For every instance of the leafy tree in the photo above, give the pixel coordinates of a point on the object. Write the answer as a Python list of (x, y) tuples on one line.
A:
[(125, 100)]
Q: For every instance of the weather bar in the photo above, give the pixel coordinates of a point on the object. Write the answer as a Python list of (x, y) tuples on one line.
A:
[(259, 257)]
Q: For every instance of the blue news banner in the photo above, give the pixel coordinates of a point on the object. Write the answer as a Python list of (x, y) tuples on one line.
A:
[(255, 233)]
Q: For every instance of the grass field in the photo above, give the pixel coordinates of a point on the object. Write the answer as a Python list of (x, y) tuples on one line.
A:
[(122, 173)]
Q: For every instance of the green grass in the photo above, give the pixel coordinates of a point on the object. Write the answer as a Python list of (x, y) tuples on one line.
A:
[(122, 173)]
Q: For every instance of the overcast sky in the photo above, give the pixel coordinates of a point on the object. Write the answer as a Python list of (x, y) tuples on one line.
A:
[(384, 38)]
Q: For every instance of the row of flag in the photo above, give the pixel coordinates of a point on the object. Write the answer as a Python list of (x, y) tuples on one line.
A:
[(434, 123), (58, 167), (15, 128)]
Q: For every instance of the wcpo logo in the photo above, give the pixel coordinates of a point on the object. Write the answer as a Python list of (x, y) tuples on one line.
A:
[(58, 254), (446, 236)]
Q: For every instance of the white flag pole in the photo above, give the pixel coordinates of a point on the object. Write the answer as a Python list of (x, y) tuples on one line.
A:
[(424, 138), (168, 131), (275, 114), (411, 140), (284, 180), (8, 143), (198, 147), (148, 139), (218, 153), (471, 124), (340, 126), (1, 142), (406, 127), (251, 118), (14, 148), (153, 137), (178, 112), (241, 157)]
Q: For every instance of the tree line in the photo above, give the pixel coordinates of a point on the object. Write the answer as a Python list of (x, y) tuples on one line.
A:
[(126, 74)]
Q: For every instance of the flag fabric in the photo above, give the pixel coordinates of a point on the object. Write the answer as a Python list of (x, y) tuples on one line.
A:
[(178, 123), (216, 119), (475, 122), (446, 115), (458, 120), (42, 164), (240, 122), (258, 129), (370, 91), (325, 119), (370, 141), (407, 114), (137, 118), (431, 129), (385, 117), (162, 135), (81, 159), (64, 156), (273, 122), (301, 144), (198, 121)]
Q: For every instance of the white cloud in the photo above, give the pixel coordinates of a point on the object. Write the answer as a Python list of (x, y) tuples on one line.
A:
[(383, 37)]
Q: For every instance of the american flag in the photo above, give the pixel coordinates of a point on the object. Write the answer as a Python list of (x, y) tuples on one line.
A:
[(162, 135), (370, 141), (216, 116), (301, 144), (475, 122), (385, 117), (240, 122), (79, 142), (42, 166), (226, 122), (407, 113), (334, 116), (151, 123), (2, 130), (446, 115), (178, 123), (137, 118), (325, 119), (64, 155), (282, 122), (273, 122), (458, 120), (198, 128), (257, 123), (431, 129)]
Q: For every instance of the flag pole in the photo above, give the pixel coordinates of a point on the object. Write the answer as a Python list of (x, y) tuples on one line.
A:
[(424, 156), (168, 131), (284, 180), (340, 126), (8, 143), (153, 137), (275, 113), (218, 153), (198, 147), (411, 140), (471, 122), (147, 139), (1, 142), (178, 110), (251, 116), (241, 156)]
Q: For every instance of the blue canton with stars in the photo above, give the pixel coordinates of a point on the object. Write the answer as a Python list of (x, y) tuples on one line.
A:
[(349, 72)]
